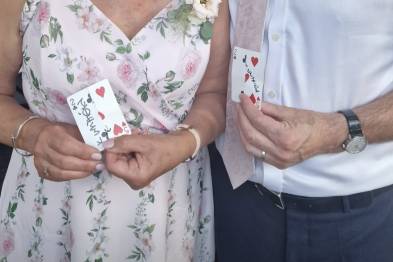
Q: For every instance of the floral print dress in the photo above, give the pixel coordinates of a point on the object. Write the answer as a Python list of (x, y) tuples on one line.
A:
[(68, 45)]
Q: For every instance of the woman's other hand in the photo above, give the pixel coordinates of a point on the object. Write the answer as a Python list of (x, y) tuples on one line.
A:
[(60, 154), (139, 159)]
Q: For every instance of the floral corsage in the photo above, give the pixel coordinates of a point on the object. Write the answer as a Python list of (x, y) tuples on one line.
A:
[(195, 13)]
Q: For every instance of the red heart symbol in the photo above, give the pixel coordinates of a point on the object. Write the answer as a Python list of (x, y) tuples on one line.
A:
[(246, 77), (117, 130), (100, 91), (101, 115), (254, 60), (252, 98)]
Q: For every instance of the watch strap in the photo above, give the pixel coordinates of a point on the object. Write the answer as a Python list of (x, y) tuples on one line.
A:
[(354, 126)]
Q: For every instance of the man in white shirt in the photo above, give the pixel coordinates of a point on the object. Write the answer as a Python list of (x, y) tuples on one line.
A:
[(318, 191)]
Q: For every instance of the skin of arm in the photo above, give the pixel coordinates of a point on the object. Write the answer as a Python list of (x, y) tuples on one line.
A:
[(289, 135), (156, 154)]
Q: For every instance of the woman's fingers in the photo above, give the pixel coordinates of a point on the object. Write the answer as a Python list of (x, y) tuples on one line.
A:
[(64, 155), (70, 146), (72, 163), (53, 173)]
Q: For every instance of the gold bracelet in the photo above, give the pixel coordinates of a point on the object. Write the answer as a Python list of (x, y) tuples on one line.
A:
[(195, 134), (15, 137)]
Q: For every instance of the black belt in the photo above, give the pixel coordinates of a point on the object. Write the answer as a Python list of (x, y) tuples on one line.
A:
[(322, 204)]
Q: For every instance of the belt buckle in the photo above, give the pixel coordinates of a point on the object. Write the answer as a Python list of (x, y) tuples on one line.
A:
[(279, 202), (275, 197)]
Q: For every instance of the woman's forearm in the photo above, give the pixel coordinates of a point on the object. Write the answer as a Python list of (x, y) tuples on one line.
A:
[(12, 116)]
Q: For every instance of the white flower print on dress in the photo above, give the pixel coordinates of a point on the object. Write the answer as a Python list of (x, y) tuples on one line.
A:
[(89, 71), (64, 56)]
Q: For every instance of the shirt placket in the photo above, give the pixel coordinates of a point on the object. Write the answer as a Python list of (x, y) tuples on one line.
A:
[(273, 48)]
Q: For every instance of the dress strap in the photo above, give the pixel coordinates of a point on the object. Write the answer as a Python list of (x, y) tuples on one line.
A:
[(29, 9)]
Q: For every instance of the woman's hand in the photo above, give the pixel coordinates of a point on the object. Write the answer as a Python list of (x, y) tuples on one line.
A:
[(139, 159), (60, 154)]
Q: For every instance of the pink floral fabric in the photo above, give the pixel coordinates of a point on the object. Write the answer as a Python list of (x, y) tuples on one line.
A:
[(68, 45)]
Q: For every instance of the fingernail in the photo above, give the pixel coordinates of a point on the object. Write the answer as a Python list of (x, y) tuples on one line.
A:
[(100, 167), (109, 143), (96, 156)]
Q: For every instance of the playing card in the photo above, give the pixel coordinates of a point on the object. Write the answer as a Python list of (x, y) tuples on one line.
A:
[(108, 109), (246, 75), (97, 114)]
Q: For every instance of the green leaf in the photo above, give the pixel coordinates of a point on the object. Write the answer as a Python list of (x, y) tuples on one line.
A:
[(144, 97), (13, 207), (119, 42), (151, 198), (74, 8), (52, 56), (35, 80), (206, 31), (110, 57), (170, 76), (141, 193), (128, 48), (70, 78), (149, 229), (44, 41), (121, 50), (38, 222)]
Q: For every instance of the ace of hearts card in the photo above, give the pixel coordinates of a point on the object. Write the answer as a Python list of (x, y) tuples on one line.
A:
[(97, 114), (246, 75)]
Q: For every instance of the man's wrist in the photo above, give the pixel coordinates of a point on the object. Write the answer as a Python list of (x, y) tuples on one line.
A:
[(336, 132)]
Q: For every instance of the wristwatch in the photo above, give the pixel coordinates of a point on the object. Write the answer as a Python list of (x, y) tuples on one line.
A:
[(356, 141)]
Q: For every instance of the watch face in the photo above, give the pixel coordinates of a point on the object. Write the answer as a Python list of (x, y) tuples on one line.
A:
[(356, 145)]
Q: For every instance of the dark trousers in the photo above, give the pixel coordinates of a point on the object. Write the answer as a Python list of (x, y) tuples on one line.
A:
[(249, 227)]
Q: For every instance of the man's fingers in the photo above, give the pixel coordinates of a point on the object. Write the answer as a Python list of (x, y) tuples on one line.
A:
[(264, 123)]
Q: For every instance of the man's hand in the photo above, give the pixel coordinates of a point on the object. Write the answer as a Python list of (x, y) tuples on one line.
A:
[(287, 135), (139, 159)]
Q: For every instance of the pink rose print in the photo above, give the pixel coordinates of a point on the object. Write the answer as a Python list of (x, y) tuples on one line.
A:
[(43, 13), (57, 97), (83, 17), (128, 71), (89, 71), (7, 243), (190, 64)]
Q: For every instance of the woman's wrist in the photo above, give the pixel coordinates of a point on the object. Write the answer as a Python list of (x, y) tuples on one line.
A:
[(28, 135), (184, 142)]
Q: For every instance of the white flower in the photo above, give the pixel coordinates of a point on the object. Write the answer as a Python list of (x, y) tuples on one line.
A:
[(205, 9)]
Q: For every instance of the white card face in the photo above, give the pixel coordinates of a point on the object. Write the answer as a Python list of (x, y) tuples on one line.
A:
[(97, 114), (246, 75)]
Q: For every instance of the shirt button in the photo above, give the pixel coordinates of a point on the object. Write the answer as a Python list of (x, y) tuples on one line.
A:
[(271, 94), (275, 37)]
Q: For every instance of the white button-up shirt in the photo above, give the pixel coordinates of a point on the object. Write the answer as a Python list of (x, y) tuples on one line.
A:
[(328, 56)]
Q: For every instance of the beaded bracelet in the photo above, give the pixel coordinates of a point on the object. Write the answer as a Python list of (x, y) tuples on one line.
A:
[(15, 137)]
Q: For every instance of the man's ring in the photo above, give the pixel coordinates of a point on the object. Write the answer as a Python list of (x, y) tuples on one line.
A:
[(262, 155), (46, 172)]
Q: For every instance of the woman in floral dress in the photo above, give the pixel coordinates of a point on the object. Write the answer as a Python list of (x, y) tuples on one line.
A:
[(167, 62)]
